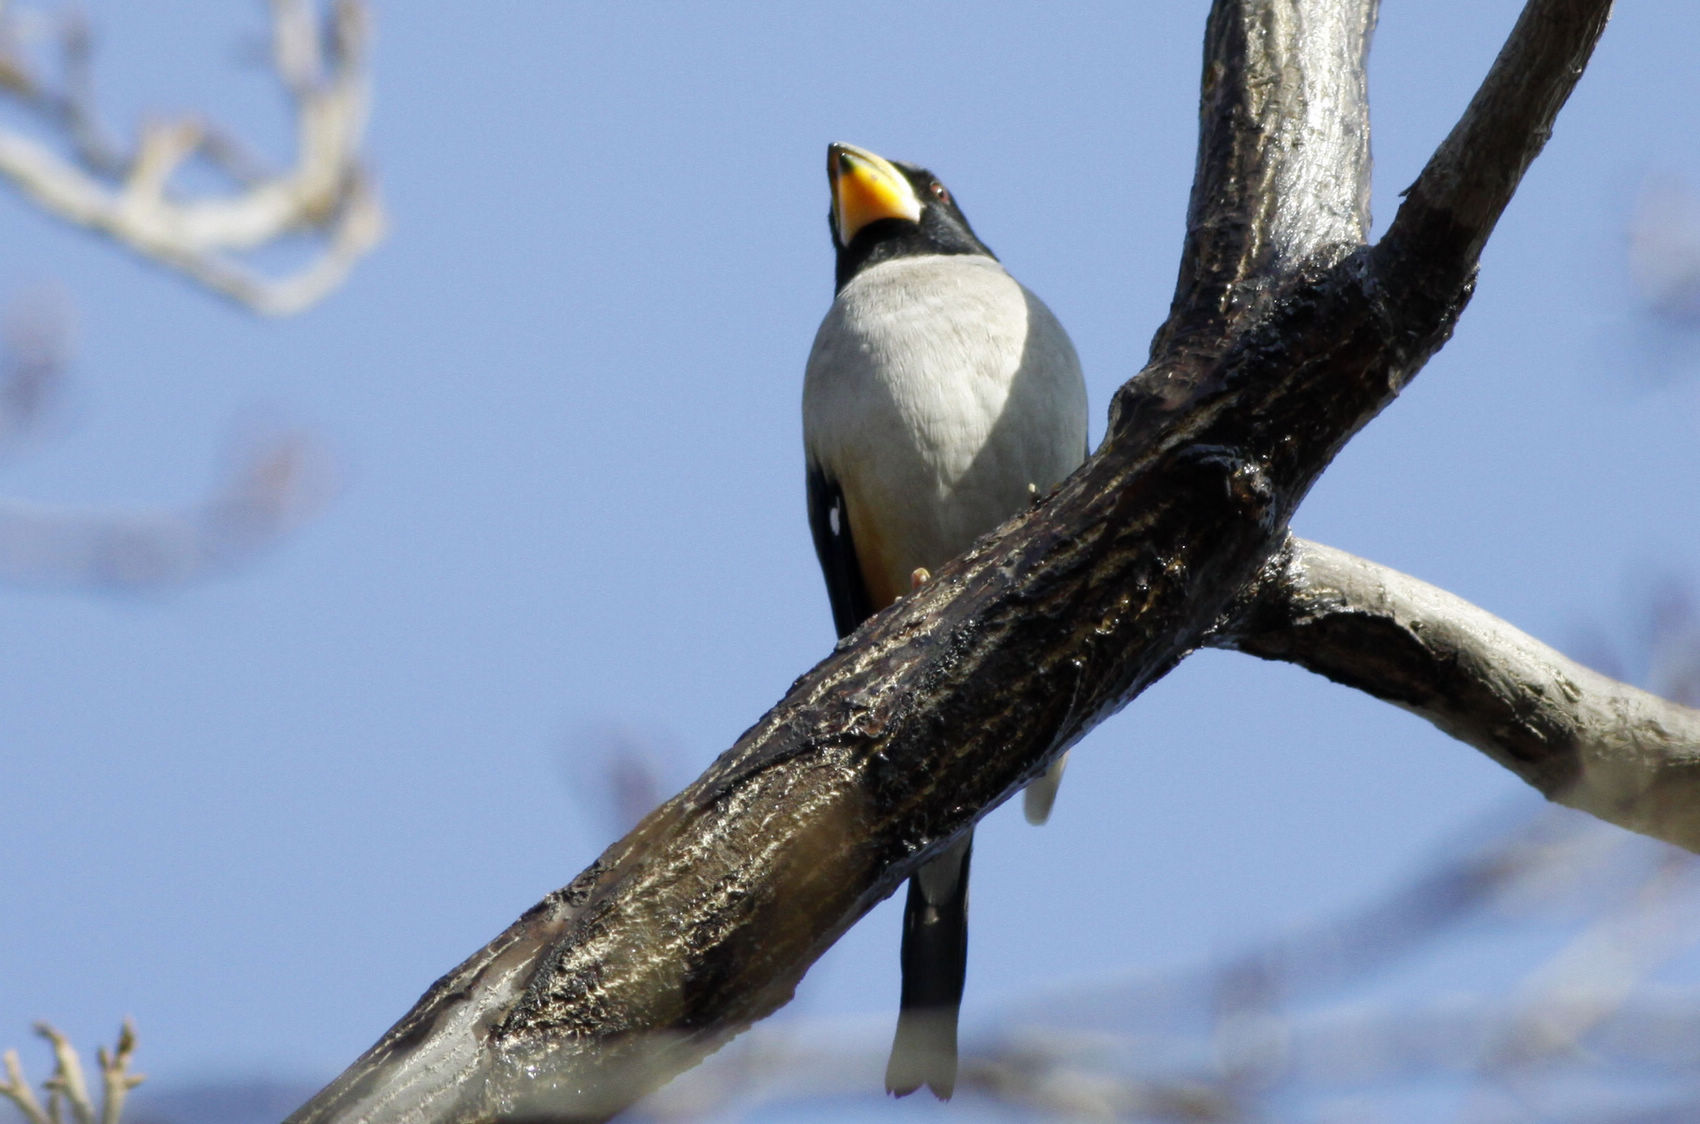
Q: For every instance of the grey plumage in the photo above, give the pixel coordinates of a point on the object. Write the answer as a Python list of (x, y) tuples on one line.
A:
[(938, 396), (937, 391)]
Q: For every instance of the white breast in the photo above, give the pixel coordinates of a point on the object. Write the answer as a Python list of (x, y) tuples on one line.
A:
[(938, 390)]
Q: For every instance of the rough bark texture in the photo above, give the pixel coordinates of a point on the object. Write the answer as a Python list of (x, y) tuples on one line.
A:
[(1580, 738), (1286, 336)]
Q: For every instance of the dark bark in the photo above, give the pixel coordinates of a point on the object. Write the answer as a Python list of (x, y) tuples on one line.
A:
[(1283, 161), (1286, 336)]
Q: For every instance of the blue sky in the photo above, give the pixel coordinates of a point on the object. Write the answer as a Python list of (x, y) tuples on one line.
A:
[(261, 814)]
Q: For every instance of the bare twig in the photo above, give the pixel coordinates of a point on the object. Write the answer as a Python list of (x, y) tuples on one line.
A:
[(35, 348), (116, 1077), (1664, 249), (67, 1087), (130, 197), (67, 1080), (276, 485), (16, 1088)]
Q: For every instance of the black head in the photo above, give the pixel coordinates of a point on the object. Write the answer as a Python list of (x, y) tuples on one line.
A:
[(883, 209)]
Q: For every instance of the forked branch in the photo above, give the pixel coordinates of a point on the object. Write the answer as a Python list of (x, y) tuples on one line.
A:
[(130, 195)]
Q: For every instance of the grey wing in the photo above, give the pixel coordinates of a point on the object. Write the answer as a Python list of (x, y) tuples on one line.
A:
[(829, 520)]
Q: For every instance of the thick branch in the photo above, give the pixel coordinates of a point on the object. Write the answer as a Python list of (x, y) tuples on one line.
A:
[(1283, 158), (704, 918), (1584, 740)]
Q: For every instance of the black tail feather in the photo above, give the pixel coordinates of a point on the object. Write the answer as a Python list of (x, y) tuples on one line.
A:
[(935, 964)]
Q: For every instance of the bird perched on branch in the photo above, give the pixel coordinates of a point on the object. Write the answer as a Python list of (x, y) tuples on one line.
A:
[(940, 394)]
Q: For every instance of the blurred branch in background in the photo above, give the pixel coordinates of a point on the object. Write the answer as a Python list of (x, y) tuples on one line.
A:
[(1672, 639), (1664, 250), (35, 349), (1664, 646), (619, 770), (1344, 1020), (274, 483), (68, 1088), (79, 172), (130, 194)]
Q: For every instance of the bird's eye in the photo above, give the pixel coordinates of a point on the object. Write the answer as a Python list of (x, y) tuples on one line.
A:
[(939, 192)]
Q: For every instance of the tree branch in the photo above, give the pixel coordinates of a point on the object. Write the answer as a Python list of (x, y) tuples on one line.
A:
[(35, 349), (1283, 159), (1580, 738), (273, 484), (706, 915), (1433, 244), (327, 193), (270, 483)]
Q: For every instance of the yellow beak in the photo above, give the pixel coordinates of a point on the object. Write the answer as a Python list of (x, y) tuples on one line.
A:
[(865, 189)]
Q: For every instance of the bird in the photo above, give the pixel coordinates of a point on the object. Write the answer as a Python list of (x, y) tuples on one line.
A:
[(940, 396)]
